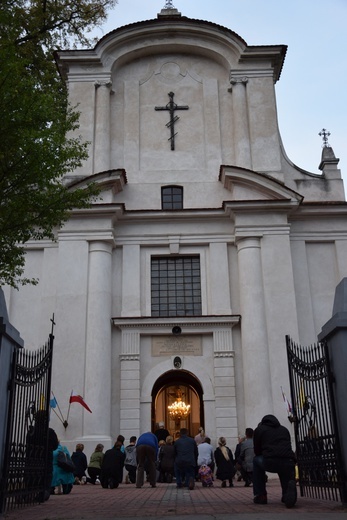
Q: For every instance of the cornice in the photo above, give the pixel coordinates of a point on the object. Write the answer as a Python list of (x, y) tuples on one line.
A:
[(107, 180), (188, 324), (275, 54), (263, 185), (325, 209)]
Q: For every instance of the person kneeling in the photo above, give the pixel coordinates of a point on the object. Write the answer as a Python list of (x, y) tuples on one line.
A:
[(273, 453), (112, 466)]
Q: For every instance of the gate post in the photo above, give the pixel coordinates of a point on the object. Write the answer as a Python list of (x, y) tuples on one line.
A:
[(9, 341), (334, 332)]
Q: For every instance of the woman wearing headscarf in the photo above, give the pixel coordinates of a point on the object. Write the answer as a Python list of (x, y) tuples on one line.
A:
[(224, 462)]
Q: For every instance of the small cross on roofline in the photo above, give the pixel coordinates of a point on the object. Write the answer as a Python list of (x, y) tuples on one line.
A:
[(324, 134)]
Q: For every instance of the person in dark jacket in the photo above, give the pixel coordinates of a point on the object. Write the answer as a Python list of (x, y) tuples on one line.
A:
[(167, 459), (112, 466), (38, 437), (161, 433), (80, 460), (186, 457), (146, 453), (273, 453)]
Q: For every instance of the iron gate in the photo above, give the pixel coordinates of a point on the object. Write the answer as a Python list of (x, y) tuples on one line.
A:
[(315, 423), (24, 476)]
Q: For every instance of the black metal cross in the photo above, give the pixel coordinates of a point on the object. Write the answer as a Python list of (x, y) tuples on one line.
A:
[(325, 134), (171, 106)]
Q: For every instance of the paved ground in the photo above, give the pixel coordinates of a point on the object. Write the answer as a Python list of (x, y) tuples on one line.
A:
[(166, 502)]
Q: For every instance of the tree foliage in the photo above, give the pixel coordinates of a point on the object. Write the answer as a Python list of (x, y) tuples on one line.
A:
[(39, 143)]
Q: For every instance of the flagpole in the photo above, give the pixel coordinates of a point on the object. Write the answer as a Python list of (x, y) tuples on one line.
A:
[(287, 406), (68, 411), (60, 419), (61, 414)]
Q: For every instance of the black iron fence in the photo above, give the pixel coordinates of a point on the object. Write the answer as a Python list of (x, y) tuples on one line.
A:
[(24, 476), (315, 422)]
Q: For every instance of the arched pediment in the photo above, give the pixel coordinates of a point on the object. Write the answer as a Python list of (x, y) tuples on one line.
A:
[(109, 183), (247, 185), (171, 35)]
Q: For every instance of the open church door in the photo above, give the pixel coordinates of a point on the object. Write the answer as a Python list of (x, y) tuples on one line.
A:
[(177, 400)]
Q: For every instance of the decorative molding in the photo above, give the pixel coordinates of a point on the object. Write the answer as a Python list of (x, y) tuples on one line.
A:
[(107, 83), (235, 80), (130, 344), (129, 357), (194, 324), (174, 244), (238, 80), (224, 354), (222, 342)]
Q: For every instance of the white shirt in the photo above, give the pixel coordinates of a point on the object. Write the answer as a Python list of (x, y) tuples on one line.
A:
[(205, 455)]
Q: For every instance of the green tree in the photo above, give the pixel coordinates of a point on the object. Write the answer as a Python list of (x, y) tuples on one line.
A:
[(38, 140)]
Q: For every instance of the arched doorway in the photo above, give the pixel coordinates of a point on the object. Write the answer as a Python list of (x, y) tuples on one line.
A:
[(166, 390)]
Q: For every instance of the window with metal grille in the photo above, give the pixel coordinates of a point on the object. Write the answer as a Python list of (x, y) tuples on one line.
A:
[(171, 197), (176, 286)]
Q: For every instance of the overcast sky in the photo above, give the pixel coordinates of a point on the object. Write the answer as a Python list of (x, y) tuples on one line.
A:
[(311, 92)]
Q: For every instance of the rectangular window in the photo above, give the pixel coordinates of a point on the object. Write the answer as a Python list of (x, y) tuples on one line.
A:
[(172, 197), (175, 286)]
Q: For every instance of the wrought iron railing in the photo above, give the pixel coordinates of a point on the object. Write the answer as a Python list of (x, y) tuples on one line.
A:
[(24, 476), (315, 422)]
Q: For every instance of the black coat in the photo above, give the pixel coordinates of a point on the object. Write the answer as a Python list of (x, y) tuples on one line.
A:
[(167, 458), (161, 434), (112, 464), (225, 468), (271, 440), (80, 461)]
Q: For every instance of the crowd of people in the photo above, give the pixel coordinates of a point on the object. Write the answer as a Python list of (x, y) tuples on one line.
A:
[(157, 457)]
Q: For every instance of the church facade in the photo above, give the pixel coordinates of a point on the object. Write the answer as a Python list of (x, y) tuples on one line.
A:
[(206, 247)]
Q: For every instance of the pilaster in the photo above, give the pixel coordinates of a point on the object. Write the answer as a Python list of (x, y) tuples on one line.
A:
[(242, 145), (131, 281), (255, 355), (224, 384), (219, 279), (102, 126), (130, 384), (98, 341)]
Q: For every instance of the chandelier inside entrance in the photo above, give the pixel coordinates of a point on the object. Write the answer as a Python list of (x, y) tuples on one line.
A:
[(179, 409)]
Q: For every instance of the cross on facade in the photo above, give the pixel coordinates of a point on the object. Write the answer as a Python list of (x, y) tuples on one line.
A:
[(324, 134), (172, 107), (53, 323)]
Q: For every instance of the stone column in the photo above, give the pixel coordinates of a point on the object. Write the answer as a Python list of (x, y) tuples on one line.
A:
[(130, 384), (242, 145), (98, 343), (255, 355), (102, 138)]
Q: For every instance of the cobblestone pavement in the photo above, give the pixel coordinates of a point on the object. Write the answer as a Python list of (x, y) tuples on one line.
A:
[(166, 501)]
